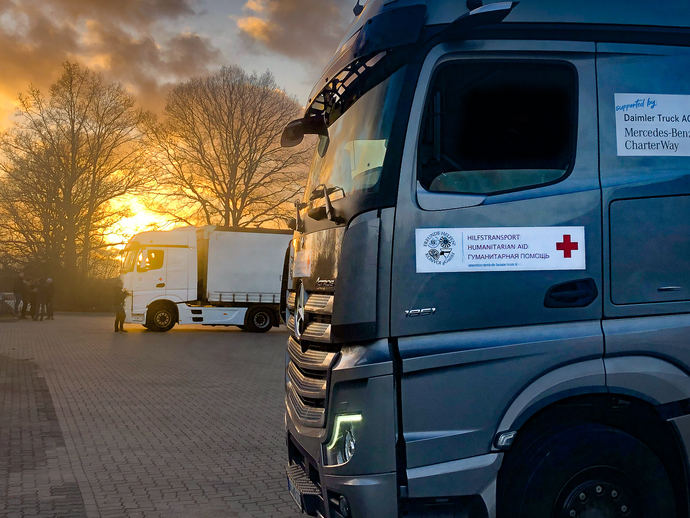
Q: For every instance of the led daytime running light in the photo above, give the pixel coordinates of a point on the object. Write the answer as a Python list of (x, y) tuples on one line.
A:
[(339, 420)]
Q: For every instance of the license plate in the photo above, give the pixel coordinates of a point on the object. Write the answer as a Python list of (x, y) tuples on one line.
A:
[(295, 494)]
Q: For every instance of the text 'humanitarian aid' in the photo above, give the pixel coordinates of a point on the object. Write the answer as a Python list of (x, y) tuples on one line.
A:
[(499, 249)]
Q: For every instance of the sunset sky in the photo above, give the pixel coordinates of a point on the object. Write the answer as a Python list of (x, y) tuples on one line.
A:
[(147, 44)]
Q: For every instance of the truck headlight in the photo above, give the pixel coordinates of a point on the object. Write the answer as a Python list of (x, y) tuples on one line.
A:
[(343, 443)]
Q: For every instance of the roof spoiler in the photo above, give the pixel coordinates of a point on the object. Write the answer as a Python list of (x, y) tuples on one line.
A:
[(401, 26), (390, 29), (397, 27)]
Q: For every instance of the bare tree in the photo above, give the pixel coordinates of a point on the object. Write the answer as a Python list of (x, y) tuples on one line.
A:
[(30, 215), (67, 158), (218, 151)]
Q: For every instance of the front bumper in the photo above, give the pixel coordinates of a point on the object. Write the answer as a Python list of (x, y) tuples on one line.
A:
[(464, 488), (369, 481), (318, 494), (361, 382)]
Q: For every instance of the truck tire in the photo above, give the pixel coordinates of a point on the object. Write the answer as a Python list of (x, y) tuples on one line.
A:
[(161, 317), (259, 320), (584, 470)]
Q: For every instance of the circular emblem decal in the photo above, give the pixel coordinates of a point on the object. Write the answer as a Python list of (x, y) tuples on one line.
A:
[(439, 247)]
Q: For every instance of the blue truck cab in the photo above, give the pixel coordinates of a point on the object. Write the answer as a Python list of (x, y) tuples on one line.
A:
[(488, 287)]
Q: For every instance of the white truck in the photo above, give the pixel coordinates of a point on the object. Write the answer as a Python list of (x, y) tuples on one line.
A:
[(206, 275)]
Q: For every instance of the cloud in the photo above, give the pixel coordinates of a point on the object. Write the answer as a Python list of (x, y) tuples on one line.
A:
[(127, 40), (138, 13), (255, 5), (309, 30), (189, 54), (256, 28)]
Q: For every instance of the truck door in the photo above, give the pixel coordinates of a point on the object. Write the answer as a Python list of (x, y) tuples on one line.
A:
[(496, 275), (178, 271), (644, 107), (150, 278), (498, 221)]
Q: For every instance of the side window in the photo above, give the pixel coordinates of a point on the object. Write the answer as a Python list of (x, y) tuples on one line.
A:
[(496, 126), (150, 260)]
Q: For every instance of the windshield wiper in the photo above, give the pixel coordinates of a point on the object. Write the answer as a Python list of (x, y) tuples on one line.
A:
[(327, 211)]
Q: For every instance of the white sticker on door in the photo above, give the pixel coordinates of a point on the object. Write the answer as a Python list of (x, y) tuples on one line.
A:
[(652, 124), (302, 264), (499, 249)]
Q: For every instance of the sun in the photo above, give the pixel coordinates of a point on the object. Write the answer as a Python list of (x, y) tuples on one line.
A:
[(141, 220)]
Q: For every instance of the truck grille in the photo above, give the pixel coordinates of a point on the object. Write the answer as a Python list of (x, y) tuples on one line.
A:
[(311, 358)]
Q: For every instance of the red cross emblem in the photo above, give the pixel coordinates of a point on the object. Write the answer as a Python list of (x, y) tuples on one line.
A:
[(567, 246)]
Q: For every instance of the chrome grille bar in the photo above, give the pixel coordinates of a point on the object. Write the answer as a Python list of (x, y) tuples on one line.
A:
[(318, 303), (314, 388), (308, 366), (317, 332), (311, 359), (311, 416), (314, 332)]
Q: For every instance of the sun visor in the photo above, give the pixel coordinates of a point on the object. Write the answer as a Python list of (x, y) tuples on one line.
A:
[(391, 28)]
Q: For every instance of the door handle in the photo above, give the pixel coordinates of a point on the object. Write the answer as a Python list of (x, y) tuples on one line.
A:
[(572, 294), (160, 285)]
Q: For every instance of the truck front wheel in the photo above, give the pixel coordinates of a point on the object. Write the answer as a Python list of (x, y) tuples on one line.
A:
[(161, 317), (259, 320), (584, 470)]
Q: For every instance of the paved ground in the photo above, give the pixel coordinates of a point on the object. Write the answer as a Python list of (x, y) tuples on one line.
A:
[(94, 423)]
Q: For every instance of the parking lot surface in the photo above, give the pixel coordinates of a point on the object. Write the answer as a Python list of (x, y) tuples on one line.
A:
[(96, 423)]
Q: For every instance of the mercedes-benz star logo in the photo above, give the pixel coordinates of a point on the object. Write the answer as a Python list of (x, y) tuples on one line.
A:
[(299, 311)]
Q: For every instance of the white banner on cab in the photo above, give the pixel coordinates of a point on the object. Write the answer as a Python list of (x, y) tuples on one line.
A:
[(652, 124), (499, 249)]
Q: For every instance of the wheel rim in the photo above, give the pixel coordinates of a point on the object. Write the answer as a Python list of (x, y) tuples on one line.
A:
[(261, 319), (598, 493), (162, 318)]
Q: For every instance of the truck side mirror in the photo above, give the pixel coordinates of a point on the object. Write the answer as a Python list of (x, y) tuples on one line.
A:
[(293, 134)]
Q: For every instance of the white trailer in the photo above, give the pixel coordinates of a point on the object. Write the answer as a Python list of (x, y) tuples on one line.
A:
[(207, 275)]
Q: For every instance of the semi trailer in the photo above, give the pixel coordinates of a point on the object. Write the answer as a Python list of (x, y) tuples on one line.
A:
[(208, 275), (489, 289)]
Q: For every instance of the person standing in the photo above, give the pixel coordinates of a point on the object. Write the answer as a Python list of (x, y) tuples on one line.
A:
[(120, 297), (19, 289), (41, 299), (26, 298), (33, 299), (49, 288)]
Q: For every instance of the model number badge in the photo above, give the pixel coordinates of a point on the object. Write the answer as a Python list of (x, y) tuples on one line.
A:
[(424, 312)]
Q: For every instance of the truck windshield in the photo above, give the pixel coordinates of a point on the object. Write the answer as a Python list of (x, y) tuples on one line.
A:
[(130, 259), (352, 156)]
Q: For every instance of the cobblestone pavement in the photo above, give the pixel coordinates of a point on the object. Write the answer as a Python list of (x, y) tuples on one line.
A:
[(187, 423)]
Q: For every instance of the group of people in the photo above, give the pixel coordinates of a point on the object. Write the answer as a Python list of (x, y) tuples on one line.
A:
[(33, 297)]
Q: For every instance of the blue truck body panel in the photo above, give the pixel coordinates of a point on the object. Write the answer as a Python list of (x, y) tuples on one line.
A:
[(439, 363)]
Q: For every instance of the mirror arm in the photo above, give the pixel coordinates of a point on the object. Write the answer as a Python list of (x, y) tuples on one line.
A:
[(299, 224), (329, 207), (330, 211)]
